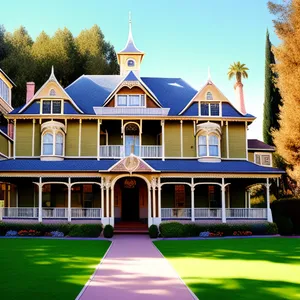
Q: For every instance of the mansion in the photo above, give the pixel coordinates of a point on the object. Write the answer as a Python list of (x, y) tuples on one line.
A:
[(125, 148)]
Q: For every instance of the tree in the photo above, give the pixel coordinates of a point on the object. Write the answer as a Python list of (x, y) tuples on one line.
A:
[(238, 70), (287, 137), (3, 50), (272, 100)]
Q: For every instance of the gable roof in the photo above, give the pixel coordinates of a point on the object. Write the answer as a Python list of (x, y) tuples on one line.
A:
[(254, 144), (4, 74)]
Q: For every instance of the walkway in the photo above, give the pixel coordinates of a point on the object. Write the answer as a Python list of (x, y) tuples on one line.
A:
[(134, 269)]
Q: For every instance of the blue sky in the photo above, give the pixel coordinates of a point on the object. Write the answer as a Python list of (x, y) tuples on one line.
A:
[(180, 38)]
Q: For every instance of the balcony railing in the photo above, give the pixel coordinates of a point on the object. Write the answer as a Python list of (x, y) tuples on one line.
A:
[(180, 213), (118, 151), (19, 212), (89, 213), (131, 111), (55, 213), (246, 213), (206, 213)]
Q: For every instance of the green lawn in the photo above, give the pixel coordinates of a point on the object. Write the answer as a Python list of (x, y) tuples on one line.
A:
[(237, 268), (47, 269)]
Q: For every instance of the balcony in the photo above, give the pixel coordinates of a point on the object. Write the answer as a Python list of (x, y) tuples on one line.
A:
[(119, 151)]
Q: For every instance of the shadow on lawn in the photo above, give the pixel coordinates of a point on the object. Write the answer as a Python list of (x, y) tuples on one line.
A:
[(47, 269), (268, 249), (245, 289)]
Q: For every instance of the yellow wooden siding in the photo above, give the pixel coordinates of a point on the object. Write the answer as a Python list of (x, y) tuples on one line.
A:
[(223, 143), (237, 140), (72, 138), (89, 138), (3, 145), (189, 149), (172, 139), (37, 140), (23, 138), (251, 156)]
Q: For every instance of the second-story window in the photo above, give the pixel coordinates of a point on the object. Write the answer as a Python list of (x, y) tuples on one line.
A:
[(4, 91), (131, 100), (53, 143), (51, 106), (263, 159), (208, 145), (209, 109)]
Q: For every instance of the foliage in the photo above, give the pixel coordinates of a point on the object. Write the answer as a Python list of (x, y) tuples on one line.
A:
[(108, 231), (286, 214), (192, 229), (287, 138), (57, 234), (11, 233), (47, 269), (153, 231), (24, 60), (216, 234), (272, 100), (242, 233), (238, 70), (82, 230)]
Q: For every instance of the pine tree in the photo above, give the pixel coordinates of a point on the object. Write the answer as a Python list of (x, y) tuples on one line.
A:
[(3, 50), (287, 138), (272, 96)]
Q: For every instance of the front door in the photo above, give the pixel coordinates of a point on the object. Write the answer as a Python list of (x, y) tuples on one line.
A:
[(130, 204)]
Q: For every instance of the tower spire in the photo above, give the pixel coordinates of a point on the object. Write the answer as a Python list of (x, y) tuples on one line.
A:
[(208, 74)]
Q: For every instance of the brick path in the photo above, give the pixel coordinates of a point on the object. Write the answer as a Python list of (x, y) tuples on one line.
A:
[(134, 269)]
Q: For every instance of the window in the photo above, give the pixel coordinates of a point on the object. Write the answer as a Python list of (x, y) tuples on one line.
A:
[(209, 96), (179, 195), (131, 100), (4, 91), (130, 63), (209, 109), (53, 143), (208, 145), (52, 92), (263, 159), (51, 106)]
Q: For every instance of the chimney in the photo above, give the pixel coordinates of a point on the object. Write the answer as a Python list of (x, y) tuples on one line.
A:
[(30, 86), (240, 98)]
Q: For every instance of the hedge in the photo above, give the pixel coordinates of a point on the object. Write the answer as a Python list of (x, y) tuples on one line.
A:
[(286, 214), (108, 231), (153, 231), (73, 230), (176, 229)]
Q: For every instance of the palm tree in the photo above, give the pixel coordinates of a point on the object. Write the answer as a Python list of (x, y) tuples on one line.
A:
[(239, 70)]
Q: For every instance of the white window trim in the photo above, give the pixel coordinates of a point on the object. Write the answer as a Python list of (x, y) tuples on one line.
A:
[(51, 107), (261, 154), (209, 102), (54, 132), (127, 95), (207, 135), (211, 96)]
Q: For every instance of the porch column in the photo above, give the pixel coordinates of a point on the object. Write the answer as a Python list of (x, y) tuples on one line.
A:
[(159, 199), (162, 123), (98, 138), (69, 199), (149, 207), (112, 214), (102, 198), (223, 187), (269, 213), (193, 200), (153, 185), (40, 199)]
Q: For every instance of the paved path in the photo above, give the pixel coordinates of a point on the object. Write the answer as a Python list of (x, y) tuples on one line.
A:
[(134, 269)]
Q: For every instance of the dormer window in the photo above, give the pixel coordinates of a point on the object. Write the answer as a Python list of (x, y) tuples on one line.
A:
[(209, 109), (52, 92), (51, 106), (208, 145), (4, 91), (209, 96), (131, 100), (130, 63)]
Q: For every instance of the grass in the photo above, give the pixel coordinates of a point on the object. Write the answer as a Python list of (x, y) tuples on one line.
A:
[(263, 268), (47, 268)]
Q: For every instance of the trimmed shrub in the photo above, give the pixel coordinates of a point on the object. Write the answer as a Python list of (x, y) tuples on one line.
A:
[(176, 229), (85, 230), (286, 214), (108, 231), (171, 229), (153, 231)]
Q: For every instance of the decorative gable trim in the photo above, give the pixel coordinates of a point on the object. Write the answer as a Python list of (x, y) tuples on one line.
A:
[(130, 81), (131, 164), (52, 78)]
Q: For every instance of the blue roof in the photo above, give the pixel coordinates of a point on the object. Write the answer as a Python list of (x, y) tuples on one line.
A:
[(169, 165), (3, 128), (131, 77), (229, 110)]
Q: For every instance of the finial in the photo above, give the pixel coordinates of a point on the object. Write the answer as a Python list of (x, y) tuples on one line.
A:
[(52, 70), (208, 74), (129, 17)]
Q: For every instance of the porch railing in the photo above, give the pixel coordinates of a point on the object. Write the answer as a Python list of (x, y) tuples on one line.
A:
[(206, 213), (54, 213), (119, 151), (181, 213), (90, 213), (246, 213), (19, 212)]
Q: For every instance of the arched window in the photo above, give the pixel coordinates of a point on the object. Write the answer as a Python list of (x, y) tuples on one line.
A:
[(59, 143), (48, 144), (208, 145), (52, 92), (132, 139), (209, 96), (130, 63)]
